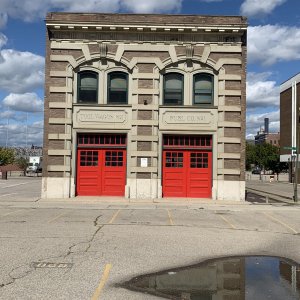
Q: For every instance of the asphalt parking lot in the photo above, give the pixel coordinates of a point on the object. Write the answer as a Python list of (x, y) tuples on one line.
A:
[(84, 250)]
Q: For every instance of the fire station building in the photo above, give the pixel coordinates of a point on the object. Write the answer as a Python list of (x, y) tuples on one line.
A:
[(145, 106)]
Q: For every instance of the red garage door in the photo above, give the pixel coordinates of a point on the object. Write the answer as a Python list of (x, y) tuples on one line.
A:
[(101, 171), (187, 166)]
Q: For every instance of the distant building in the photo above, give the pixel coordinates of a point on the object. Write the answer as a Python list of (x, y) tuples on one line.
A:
[(289, 116), (264, 136)]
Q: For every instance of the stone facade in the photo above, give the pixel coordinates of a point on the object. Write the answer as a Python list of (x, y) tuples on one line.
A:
[(146, 49)]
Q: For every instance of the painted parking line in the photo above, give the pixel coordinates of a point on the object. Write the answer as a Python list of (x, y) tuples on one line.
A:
[(281, 222), (102, 282), (170, 218), (12, 212), (13, 185), (5, 195), (57, 217), (226, 221), (114, 217)]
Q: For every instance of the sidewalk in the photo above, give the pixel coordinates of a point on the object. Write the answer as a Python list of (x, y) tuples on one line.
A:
[(281, 191)]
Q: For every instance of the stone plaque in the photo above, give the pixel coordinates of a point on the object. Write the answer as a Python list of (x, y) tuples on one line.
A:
[(187, 118), (102, 117), (105, 116)]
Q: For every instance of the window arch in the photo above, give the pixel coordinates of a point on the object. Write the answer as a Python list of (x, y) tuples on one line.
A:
[(173, 89), (87, 91), (203, 88), (117, 90)]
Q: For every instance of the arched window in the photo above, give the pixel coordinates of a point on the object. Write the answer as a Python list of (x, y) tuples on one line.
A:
[(173, 89), (87, 91), (203, 88), (117, 88)]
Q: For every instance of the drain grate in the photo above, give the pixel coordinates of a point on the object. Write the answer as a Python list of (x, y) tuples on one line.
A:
[(51, 265)]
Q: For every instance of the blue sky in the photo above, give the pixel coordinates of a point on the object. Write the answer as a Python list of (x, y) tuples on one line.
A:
[(273, 54)]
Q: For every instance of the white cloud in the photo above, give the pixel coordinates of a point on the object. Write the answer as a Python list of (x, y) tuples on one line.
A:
[(261, 92), (38, 125), (83, 6), (8, 114), (262, 95), (254, 122), (153, 6), (259, 8), (3, 19), (17, 135), (21, 71), (30, 10), (3, 40), (273, 43), (28, 102)]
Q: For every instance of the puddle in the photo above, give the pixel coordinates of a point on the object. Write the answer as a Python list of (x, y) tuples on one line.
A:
[(231, 278)]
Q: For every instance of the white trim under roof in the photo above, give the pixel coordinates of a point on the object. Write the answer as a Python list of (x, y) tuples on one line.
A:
[(218, 28), (289, 83)]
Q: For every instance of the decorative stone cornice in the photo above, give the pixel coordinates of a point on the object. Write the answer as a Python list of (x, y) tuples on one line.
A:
[(153, 37)]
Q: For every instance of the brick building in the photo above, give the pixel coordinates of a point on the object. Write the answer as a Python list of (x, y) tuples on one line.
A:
[(145, 106), (289, 116)]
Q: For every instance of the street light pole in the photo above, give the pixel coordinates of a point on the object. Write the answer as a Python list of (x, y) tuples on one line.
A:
[(296, 176), (297, 149)]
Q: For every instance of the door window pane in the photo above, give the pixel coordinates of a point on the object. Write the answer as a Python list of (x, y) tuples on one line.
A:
[(199, 160), (114, 158), (88, 158), (174, 160)]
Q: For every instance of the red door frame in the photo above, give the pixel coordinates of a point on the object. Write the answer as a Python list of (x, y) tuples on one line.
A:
[(187, 166), (101, 165)]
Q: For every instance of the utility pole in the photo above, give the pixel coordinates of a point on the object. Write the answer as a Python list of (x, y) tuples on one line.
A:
[(296, 175), (297, 150), (7, 125), (26, 135)]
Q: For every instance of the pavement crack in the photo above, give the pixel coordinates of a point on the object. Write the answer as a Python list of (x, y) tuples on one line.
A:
[(17, 273), (80, 247), (76, 248)]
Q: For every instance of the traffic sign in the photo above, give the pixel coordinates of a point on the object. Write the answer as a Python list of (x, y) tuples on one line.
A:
[(290, 148)]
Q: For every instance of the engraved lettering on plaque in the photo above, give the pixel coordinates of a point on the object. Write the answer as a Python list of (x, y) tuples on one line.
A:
[(187, 118), (101, 116)]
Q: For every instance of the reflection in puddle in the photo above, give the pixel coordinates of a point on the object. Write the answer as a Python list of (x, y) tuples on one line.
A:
[(233, 278)]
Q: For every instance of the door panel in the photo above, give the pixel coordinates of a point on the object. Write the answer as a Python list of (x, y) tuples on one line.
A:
[(199, 174), (101, 172), (88, 177), (174, 180), (114, 175), (187, 173)]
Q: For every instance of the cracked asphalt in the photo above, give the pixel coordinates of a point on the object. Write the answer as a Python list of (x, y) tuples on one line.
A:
[(84, 249)]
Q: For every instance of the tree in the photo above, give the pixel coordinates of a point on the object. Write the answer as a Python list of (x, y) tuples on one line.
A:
[(7, 156), (22, 164), (265, 157), (250, 156)]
